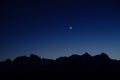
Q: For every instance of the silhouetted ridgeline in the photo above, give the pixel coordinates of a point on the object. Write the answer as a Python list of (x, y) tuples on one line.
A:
[(72, 67)]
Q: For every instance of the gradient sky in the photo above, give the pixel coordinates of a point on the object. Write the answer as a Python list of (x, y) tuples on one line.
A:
[(42, 27)]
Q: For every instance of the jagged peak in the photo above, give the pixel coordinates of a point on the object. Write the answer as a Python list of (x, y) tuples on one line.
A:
[(86, 55), (102, 56), (74, 56), (8, 60), (34, 56)]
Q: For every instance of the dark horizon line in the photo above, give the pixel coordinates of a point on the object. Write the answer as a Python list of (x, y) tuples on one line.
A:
[(86, 53)]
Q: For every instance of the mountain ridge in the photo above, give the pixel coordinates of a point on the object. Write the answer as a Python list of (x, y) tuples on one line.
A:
[(70, 67)]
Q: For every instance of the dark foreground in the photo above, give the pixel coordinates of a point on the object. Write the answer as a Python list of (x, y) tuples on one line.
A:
[(74, 67)]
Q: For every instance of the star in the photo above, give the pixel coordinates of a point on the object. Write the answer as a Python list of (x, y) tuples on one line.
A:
[(70, 27)]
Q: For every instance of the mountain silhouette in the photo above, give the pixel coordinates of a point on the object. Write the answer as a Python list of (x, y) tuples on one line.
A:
[(72, 67)]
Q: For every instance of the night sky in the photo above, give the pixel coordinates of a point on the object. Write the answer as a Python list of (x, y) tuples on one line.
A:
[(54, 28)]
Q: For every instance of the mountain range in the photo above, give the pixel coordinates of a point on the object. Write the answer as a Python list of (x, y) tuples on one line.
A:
[(72, 67)]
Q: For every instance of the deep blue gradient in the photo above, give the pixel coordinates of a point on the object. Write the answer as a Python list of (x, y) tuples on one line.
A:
[(42, 27)]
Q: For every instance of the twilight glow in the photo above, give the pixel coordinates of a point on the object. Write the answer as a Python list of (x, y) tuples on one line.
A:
[(51, 28)]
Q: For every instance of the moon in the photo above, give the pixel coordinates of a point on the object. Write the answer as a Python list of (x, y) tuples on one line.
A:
[(70, 27)]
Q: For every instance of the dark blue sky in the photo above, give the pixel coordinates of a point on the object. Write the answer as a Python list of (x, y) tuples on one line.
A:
[(42, 27)]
